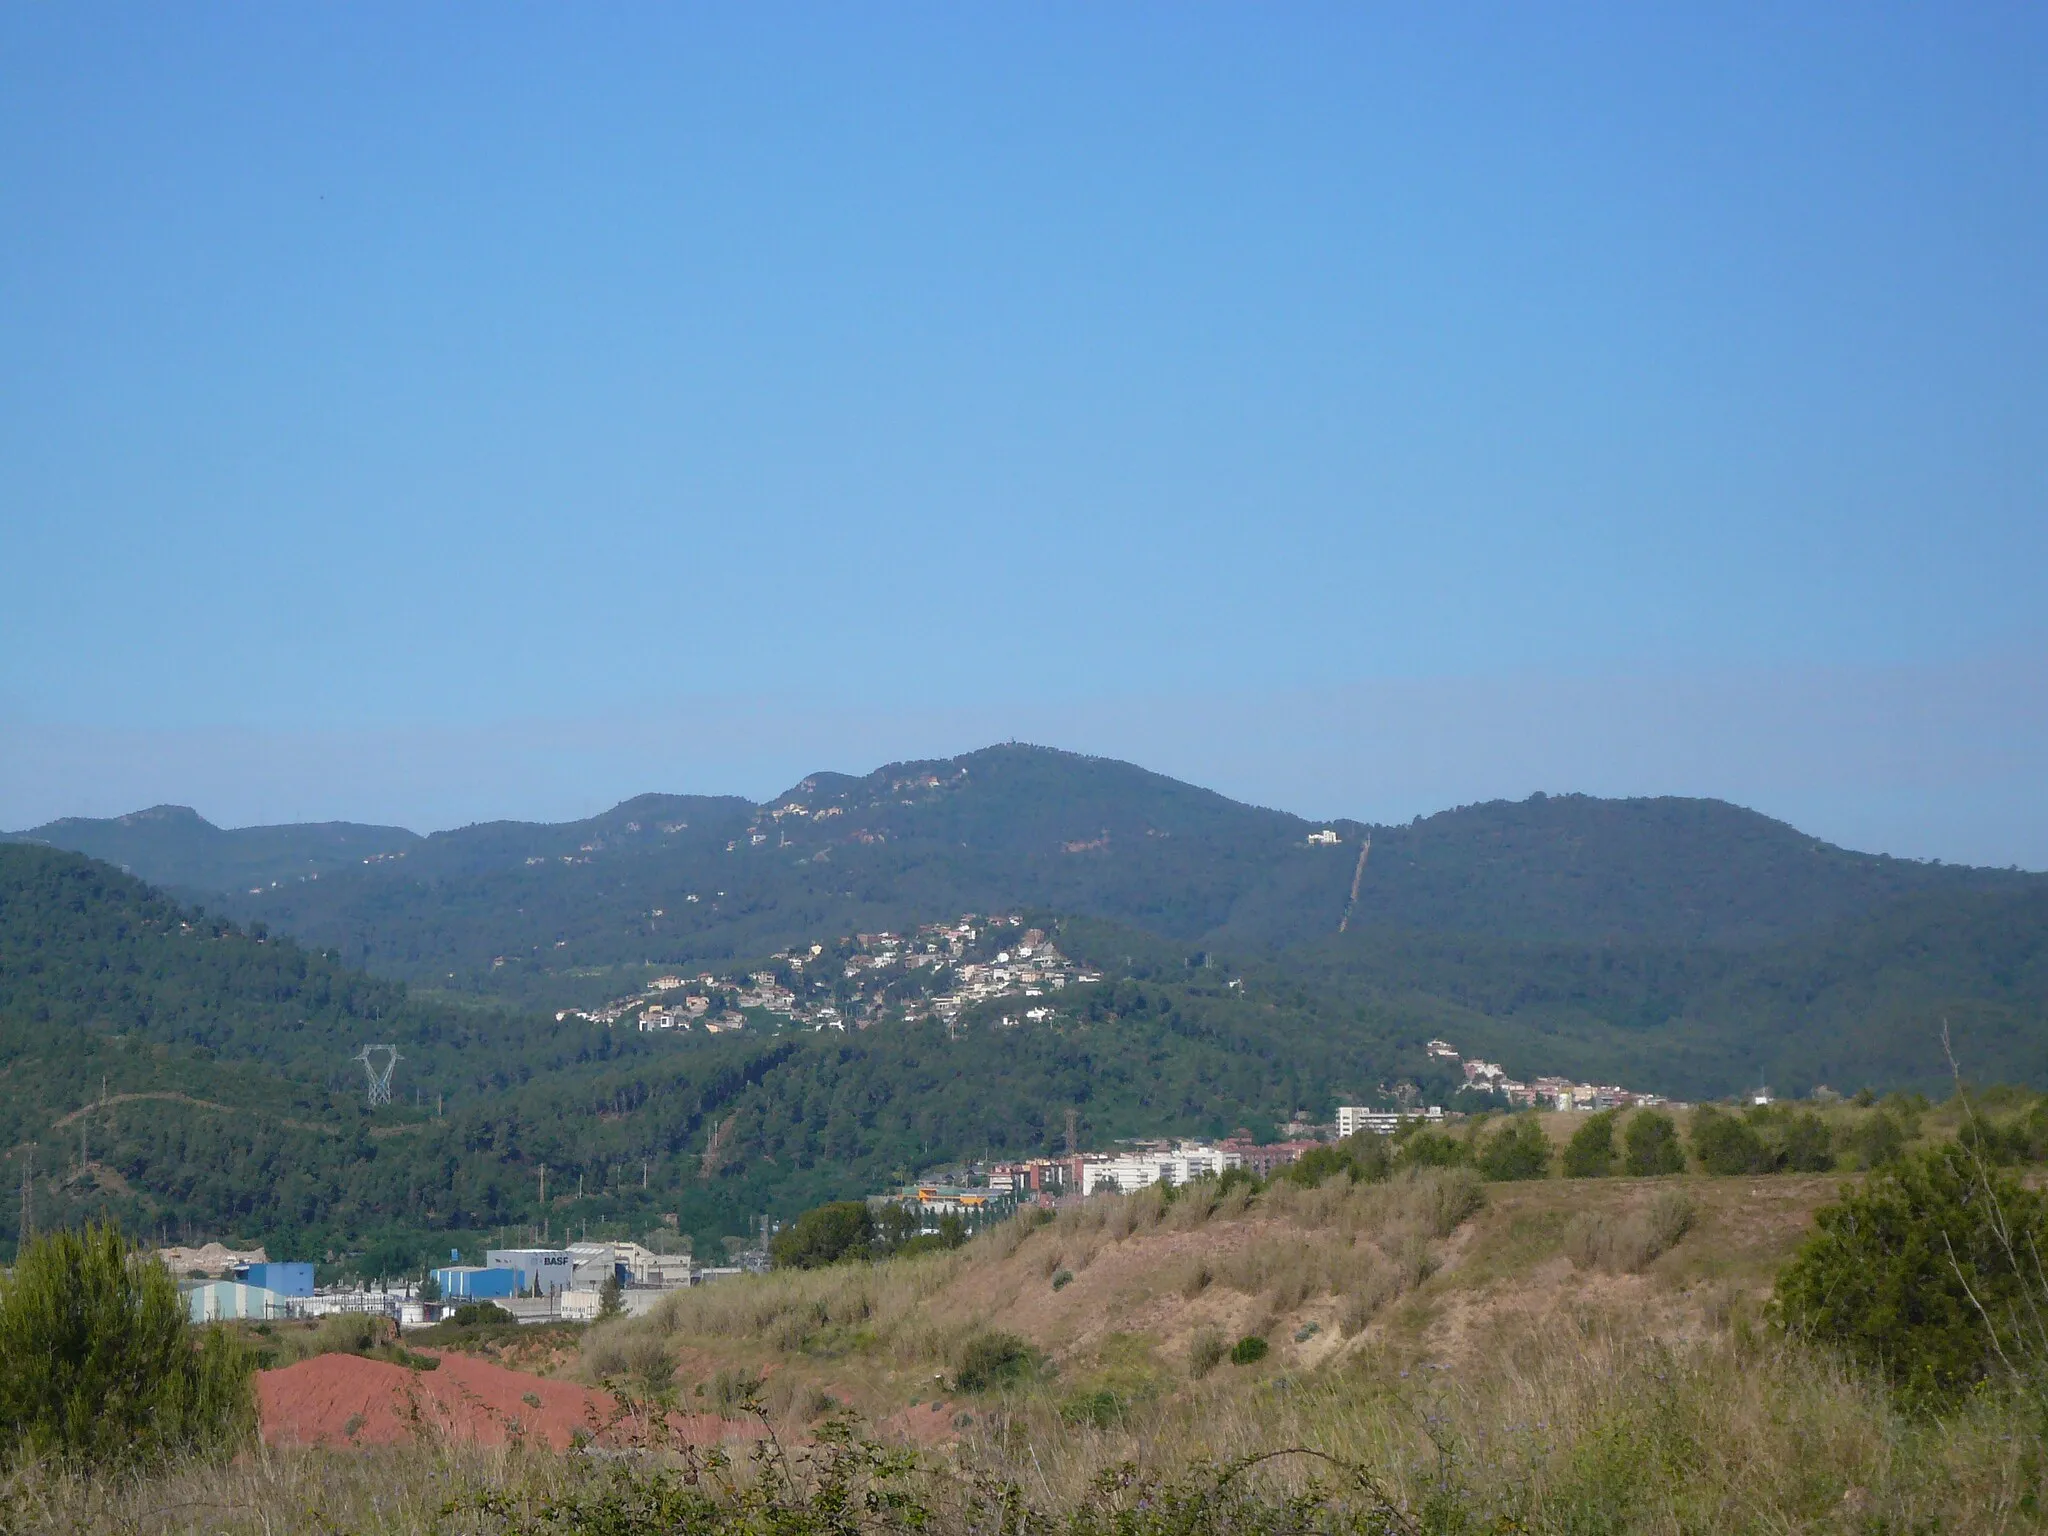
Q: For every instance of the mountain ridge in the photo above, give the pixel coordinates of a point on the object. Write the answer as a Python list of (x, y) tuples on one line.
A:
[(682, 879)]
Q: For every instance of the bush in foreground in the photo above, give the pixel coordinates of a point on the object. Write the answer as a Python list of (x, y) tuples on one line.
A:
[(97, 1362), (1929, 1274)]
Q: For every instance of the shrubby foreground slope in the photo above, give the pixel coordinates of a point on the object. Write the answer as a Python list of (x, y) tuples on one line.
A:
[(1438, 1359)]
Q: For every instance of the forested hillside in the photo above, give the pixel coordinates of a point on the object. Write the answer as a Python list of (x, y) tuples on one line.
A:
[(1859, 1003), (544, 914), (180, 1069), (176, 847), (184, 1073)]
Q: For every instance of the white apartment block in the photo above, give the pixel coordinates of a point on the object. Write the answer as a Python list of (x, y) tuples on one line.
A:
[(1353, 1118)]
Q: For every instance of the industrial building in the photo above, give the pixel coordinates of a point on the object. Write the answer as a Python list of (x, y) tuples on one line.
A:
[(475, 1282), (541, 1271), (220, 1300), (285, 1279)]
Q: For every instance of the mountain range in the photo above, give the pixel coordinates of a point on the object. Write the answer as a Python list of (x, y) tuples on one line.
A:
[(192, 1019), (523, 909)]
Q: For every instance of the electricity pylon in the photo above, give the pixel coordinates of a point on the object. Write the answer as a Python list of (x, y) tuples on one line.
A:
[(380, 1078)]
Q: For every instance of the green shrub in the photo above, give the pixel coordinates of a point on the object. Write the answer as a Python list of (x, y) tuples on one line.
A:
[(97, 1362), (989, 1361), (1362, 1158), (1806, 1146), (828, 1234), (1650, 1146), (1889, 1274), (611, 1297), (350, 1333), (1205, 1352), (1518, 1150), (1100, 1409), (482, 1314), (1875, 1141), (653, 1367), (1249, 1350), (735, 1392), (2014, 1141), (1590, 1152), (1062, 1279), (1431, 1149), (1726, 1144)]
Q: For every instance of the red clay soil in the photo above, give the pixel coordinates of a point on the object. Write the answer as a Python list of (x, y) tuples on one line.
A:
[(346, 1400)]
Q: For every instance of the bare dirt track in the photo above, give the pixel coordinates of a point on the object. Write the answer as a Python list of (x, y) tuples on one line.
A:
[(341, 1400)]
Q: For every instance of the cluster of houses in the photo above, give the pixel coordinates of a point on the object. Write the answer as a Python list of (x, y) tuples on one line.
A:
[(994, 1189), (939, 971), (1543, 1092)]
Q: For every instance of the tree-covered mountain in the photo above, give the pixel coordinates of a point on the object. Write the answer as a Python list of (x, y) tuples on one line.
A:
[(182, 1074), (186, 1073), (543, 913), (176, 847), (1860, 1002)]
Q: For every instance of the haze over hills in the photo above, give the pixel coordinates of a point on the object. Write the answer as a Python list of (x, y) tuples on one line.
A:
[(176, 847), (519, 908)]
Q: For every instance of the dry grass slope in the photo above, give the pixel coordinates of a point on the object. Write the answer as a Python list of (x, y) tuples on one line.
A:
[(1575, 1356)]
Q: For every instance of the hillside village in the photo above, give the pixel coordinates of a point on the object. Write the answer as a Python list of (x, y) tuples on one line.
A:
[(938, 971), (942, 969), (1541, 1092)]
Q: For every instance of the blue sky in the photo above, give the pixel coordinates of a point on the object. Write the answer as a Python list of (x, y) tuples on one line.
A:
[(427, 413)]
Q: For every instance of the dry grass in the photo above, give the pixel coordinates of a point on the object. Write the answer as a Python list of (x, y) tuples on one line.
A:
[(1604, 1428), (1607, 1430), (1630, 1242), (1582, 1357)]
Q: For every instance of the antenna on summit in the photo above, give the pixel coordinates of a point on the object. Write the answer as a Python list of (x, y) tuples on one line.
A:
[(380, 1077)]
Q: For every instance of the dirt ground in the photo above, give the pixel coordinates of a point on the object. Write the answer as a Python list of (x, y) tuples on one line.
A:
[(340, 1400)]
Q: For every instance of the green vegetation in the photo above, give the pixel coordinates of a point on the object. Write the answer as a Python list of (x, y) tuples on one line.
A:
[(1649, 1407), (98, 1365), (1022, 826), (1590, 1153), (231, 1108), (173, 846), (830, 1234), (1929, 1274), (1678, 944), (1516, 1150), (990, 1361), (1767, 1139), (1651, 1147)]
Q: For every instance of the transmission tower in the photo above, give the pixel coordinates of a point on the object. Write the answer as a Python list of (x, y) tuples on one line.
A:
[(380, 1077)]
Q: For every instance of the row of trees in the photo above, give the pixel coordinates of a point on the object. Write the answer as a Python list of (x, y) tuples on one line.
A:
[(1647, 1144)]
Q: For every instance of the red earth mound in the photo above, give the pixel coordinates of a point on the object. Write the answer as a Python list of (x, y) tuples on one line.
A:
[(345, 1400)]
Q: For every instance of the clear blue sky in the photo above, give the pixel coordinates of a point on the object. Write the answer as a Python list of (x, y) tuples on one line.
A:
[(804, 387)]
